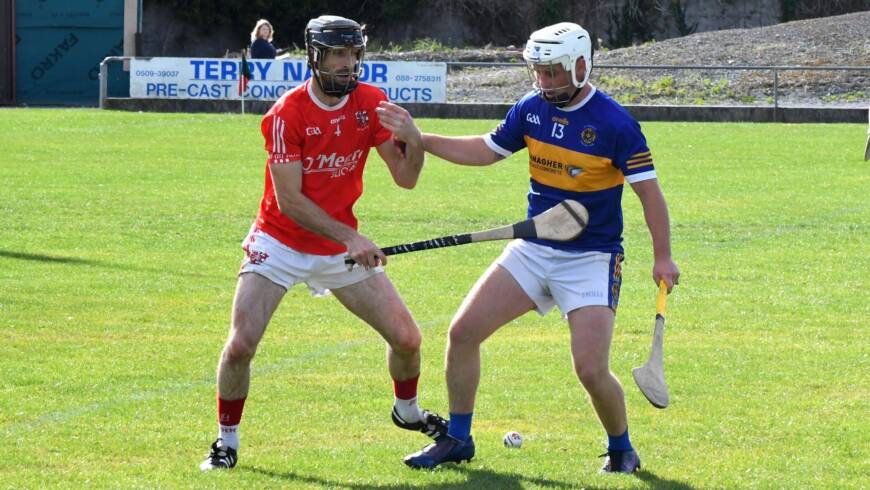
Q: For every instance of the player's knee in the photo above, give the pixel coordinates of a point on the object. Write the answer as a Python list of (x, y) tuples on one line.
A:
[(239, 349), (462, 332), (408, 341), (591, 374)]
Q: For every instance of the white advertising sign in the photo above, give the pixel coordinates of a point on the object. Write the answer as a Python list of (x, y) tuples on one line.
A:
[(218, 78)]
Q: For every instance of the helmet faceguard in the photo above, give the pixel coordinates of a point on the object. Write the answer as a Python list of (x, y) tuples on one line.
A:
[(559, 45), (332, 32)]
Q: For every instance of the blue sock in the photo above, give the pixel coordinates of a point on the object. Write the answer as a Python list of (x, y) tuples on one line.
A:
[(619, 443), (460, 426)]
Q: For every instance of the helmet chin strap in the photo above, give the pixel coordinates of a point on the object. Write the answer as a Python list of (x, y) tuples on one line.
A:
[(333, 91), (561, 101)]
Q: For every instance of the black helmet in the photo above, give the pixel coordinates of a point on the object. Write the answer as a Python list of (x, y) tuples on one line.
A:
[(333, 32)]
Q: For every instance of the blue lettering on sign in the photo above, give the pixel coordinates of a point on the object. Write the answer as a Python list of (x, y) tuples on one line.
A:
[(196, 90), (407, 94), (263, 68), (374, 73), (197, 64), (211, 70), (209, 91), (296, 71), (267, 92), (161, 89), (217, 79), (229, 70)]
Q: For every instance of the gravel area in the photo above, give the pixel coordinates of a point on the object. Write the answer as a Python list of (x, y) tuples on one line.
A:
[(826, 42)]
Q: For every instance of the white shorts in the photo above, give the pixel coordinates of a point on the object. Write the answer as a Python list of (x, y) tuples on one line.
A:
[(268, 257), (570, 280)]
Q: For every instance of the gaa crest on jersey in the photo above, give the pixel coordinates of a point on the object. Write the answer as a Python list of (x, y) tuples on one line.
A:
[(362, 119), (588, 136)]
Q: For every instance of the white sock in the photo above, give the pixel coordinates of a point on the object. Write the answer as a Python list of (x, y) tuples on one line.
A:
[(408, 409), (229, 435)]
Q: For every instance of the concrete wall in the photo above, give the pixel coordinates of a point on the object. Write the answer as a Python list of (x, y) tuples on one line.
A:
[(497, 111)]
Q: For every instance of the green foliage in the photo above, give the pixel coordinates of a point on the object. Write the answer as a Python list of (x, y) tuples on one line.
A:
[(424, 44), (788, 9), (685, 90), (550, 12), (399, 9), (428, 44), (631, 23), (118, 261), (719, 87), (808, 9), (678, 10), (289, 18), (850, 97)]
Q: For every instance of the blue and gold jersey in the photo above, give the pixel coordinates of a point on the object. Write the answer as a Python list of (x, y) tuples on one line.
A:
[(584, 152)]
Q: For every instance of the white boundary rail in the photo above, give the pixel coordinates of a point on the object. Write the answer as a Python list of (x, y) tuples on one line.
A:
[(775, 70)]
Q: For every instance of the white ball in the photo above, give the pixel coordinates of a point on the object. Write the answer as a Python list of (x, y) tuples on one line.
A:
[(513, 439)]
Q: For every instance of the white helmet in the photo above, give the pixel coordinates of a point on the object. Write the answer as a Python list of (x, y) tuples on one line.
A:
[(561, 43)]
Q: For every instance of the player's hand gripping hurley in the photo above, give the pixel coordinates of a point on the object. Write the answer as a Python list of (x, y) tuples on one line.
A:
[(563, 222), (650, 377)]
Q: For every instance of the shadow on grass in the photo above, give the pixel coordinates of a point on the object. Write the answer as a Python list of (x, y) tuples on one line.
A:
[(46, 258), (655, 481), (474, 478), (107, 265)]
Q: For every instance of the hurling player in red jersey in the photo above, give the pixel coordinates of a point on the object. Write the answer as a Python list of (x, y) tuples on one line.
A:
[(318, 137)]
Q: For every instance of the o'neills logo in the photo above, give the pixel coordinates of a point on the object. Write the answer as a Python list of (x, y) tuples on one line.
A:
[(336, 165)]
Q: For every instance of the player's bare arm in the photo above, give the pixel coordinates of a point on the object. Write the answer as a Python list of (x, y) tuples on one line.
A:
[(655, 211), (406, 163), (462, 150), (287, 179)]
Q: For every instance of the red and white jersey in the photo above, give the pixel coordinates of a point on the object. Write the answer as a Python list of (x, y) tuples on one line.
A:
[(332, 143)]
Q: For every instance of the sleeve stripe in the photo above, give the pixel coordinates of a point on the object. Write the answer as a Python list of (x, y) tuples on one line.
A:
[(642, 163), (631, 179), (494, 147), (278, 145), (633, 160), (274, 131), (642, 154), (283, 141)]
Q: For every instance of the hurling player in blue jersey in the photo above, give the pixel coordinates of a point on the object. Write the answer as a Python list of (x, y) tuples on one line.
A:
[(582, 145)]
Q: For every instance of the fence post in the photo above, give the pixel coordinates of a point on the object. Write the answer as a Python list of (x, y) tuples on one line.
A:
[(104, 75), (775, 95)]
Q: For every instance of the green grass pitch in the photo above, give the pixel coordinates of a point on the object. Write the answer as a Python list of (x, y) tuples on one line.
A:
[(119, 246)]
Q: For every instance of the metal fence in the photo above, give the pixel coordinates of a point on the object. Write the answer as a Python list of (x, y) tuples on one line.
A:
[(657, 76), (860, 97)]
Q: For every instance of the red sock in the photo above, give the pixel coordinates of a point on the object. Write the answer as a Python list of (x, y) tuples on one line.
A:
[(406, 389), (230, 411)]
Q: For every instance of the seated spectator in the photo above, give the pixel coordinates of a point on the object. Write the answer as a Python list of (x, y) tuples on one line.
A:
[(261, 40)]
